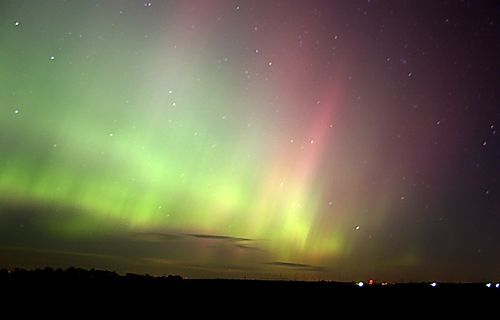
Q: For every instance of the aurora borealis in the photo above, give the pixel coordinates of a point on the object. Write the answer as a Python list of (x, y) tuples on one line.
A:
[(265, 139)]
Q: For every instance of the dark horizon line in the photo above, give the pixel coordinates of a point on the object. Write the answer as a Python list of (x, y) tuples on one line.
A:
[(7, 274)]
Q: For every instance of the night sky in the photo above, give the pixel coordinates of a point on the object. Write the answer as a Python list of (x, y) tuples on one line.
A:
[(341, 140)]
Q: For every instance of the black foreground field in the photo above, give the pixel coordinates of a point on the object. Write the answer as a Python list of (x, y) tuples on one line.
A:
[(99, 281)]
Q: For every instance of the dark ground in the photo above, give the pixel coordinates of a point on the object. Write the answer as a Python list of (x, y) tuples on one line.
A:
[(96, 282), (88, 294)]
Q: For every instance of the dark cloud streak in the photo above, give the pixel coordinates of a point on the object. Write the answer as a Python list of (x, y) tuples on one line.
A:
[(298, 266), (218, 237)]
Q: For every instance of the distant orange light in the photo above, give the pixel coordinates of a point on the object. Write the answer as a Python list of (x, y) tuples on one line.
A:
[(370, 282)]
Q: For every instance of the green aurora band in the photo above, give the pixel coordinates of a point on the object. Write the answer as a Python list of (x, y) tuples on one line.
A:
[(193, 120)]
